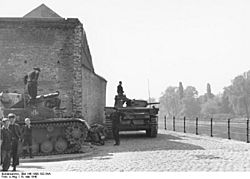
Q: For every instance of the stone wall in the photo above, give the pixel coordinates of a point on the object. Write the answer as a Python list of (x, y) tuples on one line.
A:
[(59, 47), (94, 95)]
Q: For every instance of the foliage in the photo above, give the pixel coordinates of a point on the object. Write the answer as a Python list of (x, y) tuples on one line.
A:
[(190, 104), (235, 100), (209, 94), (169, 102), (210, 107), (239, 94), (181, 90)]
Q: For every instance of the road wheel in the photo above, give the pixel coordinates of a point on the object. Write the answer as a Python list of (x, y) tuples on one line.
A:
[(47, 147), (61, 145), (76, 134)]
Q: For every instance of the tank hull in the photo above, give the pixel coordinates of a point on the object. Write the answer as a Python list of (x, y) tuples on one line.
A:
[(56, 136), (135, 119)]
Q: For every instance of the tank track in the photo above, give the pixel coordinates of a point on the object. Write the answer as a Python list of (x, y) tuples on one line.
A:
[(75, 133)]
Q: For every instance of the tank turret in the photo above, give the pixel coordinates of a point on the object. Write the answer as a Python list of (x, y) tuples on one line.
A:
[(120, 100)]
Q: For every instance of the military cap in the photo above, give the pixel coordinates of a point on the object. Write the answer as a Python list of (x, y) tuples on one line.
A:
[(27, 119), (5, 119), (38, 69), (11, 115)]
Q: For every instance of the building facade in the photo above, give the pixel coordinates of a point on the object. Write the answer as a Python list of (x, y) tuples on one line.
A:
[(59, 47)]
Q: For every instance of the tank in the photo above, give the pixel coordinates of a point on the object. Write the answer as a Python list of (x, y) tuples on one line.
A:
[(137, 115), (52, 131)]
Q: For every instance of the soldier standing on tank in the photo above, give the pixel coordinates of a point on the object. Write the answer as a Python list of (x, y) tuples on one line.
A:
[(27, 138), (31, 81), (120, 89), (116, 119), (16, 136), (5, 144)]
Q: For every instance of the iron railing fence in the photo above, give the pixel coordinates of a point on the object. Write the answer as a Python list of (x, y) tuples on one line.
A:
[(236, 129)]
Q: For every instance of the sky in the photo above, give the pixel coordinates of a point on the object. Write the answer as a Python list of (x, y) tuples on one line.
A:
[(152, 44)]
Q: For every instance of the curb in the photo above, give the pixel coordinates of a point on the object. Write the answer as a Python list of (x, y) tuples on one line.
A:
[(53, 158)]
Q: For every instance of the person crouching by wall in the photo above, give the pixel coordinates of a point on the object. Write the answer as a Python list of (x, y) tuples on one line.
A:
[(27, 138), (5, 144)]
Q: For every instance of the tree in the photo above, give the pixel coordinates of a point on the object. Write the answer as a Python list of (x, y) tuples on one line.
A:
[(210, 107), (209, 94), (170, 103), (239, 94), (181, 91), (191, 107), (225, 106)]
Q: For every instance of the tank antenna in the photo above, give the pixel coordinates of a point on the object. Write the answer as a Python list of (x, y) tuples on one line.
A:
[(149, 99)]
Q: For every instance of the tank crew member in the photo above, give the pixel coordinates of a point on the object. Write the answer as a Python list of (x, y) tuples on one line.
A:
[(120, 89), (27, 138), (31, 81), (5, 144), (16, 135), (116, 117)]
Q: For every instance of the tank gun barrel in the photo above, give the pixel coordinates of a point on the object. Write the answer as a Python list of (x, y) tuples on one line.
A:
[(153, 103)]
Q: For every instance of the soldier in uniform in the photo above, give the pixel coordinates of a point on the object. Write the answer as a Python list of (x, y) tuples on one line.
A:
[(120, 89), (116, 117), (5, 144), (27, 138), (31, 81), (16, 135)]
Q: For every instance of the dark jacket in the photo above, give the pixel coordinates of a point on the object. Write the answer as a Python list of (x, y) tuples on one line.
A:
[(16, 132), (6, 138), (27, 132), (116, 119), (31, 77), (120, 89)]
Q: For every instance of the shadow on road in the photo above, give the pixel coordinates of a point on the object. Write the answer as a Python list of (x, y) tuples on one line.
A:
[(134, 142)]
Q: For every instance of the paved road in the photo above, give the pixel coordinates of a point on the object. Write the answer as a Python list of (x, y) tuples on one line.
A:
[(170, 151)]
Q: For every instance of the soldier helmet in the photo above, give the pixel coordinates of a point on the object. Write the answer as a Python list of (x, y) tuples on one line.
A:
[(38, 69)]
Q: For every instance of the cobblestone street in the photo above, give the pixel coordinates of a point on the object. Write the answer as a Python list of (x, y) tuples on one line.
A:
[(170, 151)]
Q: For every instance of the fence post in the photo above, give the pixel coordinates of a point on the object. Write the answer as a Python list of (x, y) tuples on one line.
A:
[(228, 128), (247, 130), (211, 127), (184, 125), (196, 126), (173, 123), (165, 122)]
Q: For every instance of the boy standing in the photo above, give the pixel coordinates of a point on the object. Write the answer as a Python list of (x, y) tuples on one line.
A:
[(27, 142)]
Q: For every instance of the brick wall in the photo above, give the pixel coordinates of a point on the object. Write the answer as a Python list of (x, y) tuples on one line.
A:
[(59, 48)]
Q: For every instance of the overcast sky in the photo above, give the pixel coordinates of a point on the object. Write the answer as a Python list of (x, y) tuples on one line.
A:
[(160, 41)]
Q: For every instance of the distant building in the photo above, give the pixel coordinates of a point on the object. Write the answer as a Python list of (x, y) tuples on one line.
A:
[(59, 47)]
